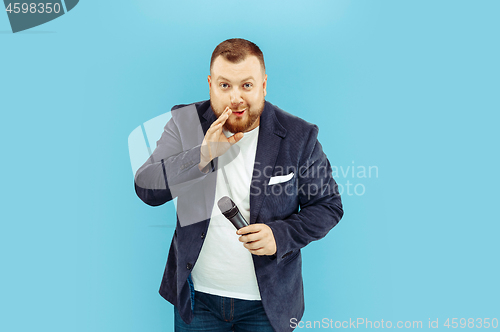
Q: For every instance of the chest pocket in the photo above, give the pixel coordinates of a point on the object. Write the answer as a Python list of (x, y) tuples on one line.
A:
[(281, 198)]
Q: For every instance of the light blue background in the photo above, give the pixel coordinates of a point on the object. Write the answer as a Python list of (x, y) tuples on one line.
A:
[(411, 87)]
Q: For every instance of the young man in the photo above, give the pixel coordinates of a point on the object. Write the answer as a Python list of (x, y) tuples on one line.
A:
[(270, 164)]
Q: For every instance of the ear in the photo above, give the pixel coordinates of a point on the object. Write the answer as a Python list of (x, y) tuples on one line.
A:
[(264, 85), (209, 81)]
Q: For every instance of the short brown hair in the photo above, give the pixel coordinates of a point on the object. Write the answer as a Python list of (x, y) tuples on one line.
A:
[(236, 50)]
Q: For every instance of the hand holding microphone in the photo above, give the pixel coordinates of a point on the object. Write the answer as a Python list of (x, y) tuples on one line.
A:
[(257, 238)]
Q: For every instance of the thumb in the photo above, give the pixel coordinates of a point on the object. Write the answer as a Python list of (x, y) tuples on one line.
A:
[(235, 138)]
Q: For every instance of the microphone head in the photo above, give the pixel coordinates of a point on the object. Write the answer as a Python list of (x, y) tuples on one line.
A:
[(226, 204), (231, 212), (227, 207)]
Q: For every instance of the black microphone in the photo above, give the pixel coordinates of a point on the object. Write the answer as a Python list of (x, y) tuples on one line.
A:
[(231, 212)]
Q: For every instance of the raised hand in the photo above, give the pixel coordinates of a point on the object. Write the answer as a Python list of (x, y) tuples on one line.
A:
[(215, 143)]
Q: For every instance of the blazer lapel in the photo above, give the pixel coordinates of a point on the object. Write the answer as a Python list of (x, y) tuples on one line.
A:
[(268, 145), (207, 118)]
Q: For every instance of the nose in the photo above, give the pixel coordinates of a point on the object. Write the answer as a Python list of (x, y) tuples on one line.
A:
[(236, 99)]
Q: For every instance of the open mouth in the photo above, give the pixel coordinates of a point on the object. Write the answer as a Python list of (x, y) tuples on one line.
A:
[(239, 113)]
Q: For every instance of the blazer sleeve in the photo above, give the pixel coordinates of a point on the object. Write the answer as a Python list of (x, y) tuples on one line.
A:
[(319, 201), (171, 169)]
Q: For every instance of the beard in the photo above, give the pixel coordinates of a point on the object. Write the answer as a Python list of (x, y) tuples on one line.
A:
[(240, 125)]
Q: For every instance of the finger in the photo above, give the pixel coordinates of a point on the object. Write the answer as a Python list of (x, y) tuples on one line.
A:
[(214, 128), (223, 117), (248, 229), (250, 237), (217, 121), (253, 245), (235, 138), (258, 252)]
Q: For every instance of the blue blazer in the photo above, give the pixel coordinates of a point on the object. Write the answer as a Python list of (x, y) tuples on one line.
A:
[(298, 211)]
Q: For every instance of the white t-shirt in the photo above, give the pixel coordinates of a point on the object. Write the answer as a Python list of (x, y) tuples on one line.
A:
[(224, 266)]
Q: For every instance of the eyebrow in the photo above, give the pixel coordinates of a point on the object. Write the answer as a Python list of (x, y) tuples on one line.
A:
[(220, 78)]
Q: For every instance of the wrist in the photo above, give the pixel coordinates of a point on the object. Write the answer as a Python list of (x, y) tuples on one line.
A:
[(202, 166)]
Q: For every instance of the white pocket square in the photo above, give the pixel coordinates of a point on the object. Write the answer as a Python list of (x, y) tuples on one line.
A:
[(280, 179)]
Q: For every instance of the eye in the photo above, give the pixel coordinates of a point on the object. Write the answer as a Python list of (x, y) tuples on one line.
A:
[(247, 85), (224, 85)]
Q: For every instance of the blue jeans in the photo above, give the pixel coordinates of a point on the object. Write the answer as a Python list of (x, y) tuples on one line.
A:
[(213, 313)]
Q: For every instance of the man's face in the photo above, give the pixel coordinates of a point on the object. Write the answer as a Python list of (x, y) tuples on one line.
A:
[(241, 87)]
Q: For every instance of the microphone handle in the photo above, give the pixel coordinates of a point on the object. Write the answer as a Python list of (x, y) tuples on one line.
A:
[(238, 221)]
